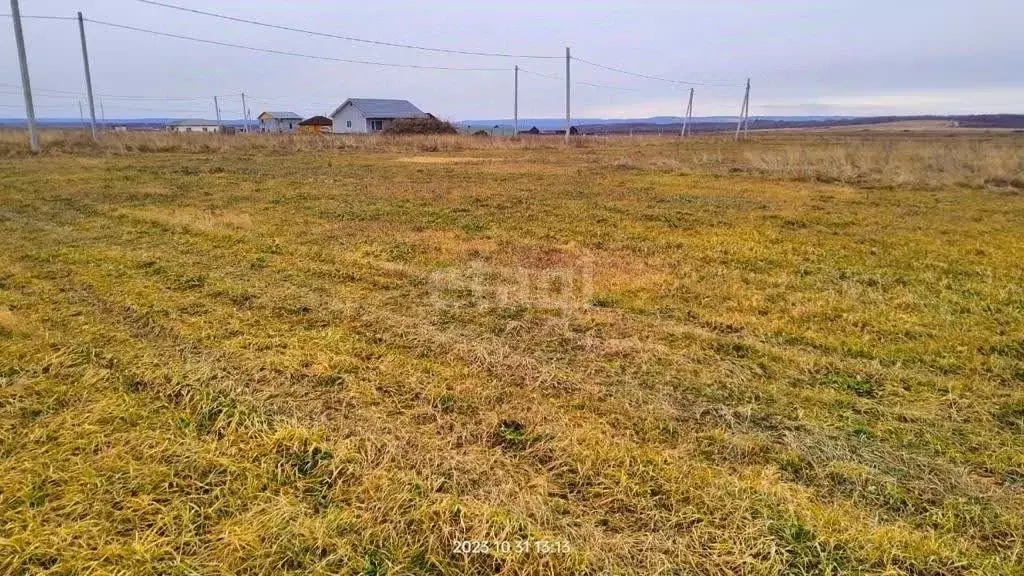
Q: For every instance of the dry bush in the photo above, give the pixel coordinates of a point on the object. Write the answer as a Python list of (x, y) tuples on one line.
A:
[(428, 125)]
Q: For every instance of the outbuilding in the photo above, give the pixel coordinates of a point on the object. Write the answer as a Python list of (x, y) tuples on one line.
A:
[(316, 124)]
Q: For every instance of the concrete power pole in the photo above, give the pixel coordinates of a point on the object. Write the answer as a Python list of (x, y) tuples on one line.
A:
[(216, 106), (568, 98), (245, 114), (689, 114), (81, 114), (743, 111), (26, 86), (88, 77), (515, 104), (746, 111)]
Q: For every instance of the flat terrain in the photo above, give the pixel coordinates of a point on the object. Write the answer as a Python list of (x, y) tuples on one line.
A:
[(798, 355)]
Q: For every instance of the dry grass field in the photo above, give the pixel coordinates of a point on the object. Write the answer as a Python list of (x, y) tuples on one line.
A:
[(802, 354)]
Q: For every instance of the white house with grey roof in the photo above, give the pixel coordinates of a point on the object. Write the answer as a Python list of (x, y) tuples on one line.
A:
[(362, 115), (195, 125), (279, 122)]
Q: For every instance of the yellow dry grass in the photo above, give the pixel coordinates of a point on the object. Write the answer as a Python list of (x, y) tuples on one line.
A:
[(215, 221), (798, 355)]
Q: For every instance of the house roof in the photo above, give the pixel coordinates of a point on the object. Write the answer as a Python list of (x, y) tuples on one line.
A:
[(194, 122), (317, 121), (280, 115), (382, 108)]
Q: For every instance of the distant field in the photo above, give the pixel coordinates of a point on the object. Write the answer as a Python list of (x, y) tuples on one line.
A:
[(802, 354), (907, 126)]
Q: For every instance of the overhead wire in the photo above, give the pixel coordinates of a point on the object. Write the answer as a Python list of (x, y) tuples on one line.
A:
[(658, 78), (38, 17), (50, 92), (580, 82), (287, 52), (343, 37)]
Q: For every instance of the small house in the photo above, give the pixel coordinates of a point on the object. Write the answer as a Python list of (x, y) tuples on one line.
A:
[(279, 122), (195, 125), (363, 115), (316, 124)]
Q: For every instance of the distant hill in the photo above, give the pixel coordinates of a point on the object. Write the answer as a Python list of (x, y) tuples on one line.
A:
[(544, 124), (668, 124)]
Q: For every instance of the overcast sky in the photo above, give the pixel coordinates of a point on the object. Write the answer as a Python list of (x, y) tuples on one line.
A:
[(813, 57)]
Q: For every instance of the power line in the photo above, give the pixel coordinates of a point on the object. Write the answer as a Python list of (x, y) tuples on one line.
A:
[(595, 85), (659, 78), (579, 82), (532, 73), (286, 52), (341, 37), (49, 92), (13, 89), (39, 17), (22, 106)]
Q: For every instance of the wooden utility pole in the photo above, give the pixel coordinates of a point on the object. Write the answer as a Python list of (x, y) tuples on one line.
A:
[(88, 77), (26, 86)]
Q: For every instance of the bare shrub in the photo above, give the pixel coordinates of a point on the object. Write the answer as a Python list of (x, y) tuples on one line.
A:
[(427, 125)]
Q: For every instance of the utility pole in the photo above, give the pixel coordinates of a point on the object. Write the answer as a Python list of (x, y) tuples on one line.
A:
[(26, 86), (515, 104), (689, 114), (568, 99), (245, 114), (88, 77), (216, 106), (743, 111), (103, 115), (746, 113), (81, 114)]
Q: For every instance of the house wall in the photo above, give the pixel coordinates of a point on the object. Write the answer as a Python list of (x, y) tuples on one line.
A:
[(349, 114), (278, 125), (193, 128), (385, 123)]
